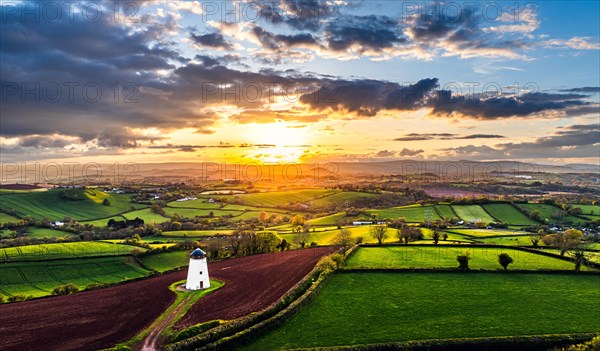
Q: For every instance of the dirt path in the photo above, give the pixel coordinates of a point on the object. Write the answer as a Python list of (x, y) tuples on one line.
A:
[(151, 342)]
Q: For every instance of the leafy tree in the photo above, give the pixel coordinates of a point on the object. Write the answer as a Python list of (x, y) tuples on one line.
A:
[(379, 232), (301, 239), (445, 236), (106, 202), (536, 215), (297, 220), (580, 256), (343, 239), (436, 235), (564, 241), (263, 217), (504, 259)]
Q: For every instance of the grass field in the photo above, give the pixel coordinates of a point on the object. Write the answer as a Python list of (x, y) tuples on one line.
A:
[(39, 278), (483, 233), (473, 213), (35, 232), (166, 260), (201, 203), (325, 237), (362, 308), (5, 218), (412, 214), (519, 240), (64, 250), (338, 199), (507, 213), (48, 204), (445, 211), (548, 211), (593, 210), (279, 198), (147, 215), (197, 233), (328, 220), (445, 257)]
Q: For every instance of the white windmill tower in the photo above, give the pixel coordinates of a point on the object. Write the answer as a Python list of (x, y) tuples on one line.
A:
[(197, 277)]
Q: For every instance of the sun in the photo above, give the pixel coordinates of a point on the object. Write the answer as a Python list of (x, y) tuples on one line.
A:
[(276, 142)]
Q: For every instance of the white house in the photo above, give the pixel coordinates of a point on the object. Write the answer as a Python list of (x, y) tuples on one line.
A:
[(197, 277)]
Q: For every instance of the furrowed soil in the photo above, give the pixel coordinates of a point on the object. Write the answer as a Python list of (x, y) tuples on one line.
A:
[(99, 319)]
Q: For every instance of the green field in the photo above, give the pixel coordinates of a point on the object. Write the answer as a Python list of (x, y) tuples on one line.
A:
[(278, 198), (48, 204), (35, 232), (197, 233), (193, 212), (507, 213), (325, 237), (411, 256), (338, 199), (64, 250), (166, 261), (445, 211), (147, 215), (201, 203), (483, 233), (328, 220), (362, 308), (39, 278), (548, 211), (593, 210), (473, 213), (517, 240), (4, 218), (412, 214)]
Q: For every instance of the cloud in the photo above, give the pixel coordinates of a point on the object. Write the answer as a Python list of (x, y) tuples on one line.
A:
[(409, 152), (367, 97), (583, 90), (212, 40), (385, 153), (480, 107), (577, 43), (445, 136), (577, 141)]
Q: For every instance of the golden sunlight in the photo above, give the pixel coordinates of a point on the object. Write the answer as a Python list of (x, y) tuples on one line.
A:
[(277, 142)]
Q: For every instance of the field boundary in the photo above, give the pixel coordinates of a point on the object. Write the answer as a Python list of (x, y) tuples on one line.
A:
[(502, 343)]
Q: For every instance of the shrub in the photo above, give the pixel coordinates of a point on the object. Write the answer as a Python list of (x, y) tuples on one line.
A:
[(463, 261), (592, 345), (504, 259), (196, 330), (19, 297), (1, 299), (65, 289)]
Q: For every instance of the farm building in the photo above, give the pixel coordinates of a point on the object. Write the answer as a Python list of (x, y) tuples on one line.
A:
[(197, 277)]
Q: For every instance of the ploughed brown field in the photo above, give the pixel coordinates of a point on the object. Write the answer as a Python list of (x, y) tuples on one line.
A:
[(99, 319)]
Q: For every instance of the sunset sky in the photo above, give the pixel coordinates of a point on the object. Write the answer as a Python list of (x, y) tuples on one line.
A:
[(300, 81)]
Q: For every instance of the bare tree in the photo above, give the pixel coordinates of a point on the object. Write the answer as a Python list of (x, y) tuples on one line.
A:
[(408, 233), (379, 232)]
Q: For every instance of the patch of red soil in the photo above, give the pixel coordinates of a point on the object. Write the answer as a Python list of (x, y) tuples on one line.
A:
[(99, 319)]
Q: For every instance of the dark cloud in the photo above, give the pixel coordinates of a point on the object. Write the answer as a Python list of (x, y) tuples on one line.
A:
[(212, 40), (279, 41), (298, 14), (445, 136), (367, 97), (500, 107), (363, 33), (583, 90)]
